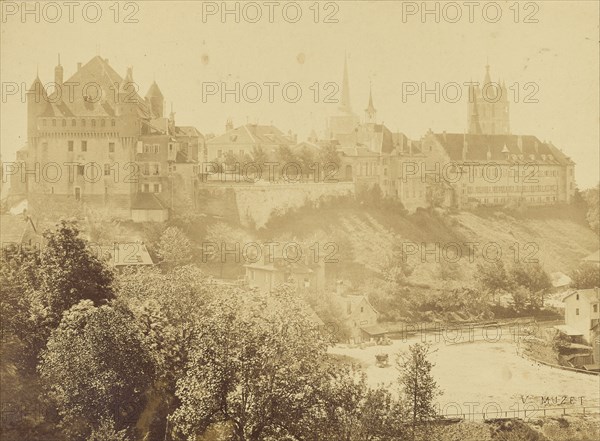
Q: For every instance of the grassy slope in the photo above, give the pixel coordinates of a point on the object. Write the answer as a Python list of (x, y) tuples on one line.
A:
[(559, 241)]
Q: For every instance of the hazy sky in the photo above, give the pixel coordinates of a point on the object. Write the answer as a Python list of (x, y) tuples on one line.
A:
[(555, 59)]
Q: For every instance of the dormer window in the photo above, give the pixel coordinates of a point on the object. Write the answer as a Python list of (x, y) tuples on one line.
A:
[(113, 123), (576, 296), (64, 123), (53, 123), (102, 122), (93, 123), (73, 122), (83, 122)]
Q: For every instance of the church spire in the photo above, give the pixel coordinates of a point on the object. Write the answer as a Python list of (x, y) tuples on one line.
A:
[(370, 111), (487, 79), (345, 102)]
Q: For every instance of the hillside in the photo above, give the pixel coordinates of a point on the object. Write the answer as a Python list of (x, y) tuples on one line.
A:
[(557, 239)]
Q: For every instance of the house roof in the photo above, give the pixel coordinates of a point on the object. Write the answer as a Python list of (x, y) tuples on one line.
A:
[(594, 257), (591, 294), (568, 330), (147, 201), (127, 254), (373, 330), (355, 301), (252, 134), (281, 264), (490, 148), (12, 228), (559, 279)]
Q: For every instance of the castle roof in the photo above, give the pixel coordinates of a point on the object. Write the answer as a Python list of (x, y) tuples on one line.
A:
[(500, 148), (154, 91), (99, 80)]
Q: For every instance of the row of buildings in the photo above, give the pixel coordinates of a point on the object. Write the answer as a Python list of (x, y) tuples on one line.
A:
[(109, 149)]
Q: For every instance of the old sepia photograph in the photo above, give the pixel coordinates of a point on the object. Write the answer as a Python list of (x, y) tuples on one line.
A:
[(303, 220)]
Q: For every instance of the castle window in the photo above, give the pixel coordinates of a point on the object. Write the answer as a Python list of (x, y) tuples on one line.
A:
[(146, 169), (83, 122), (156, 148), (102, 122), (70, 145), (53, 123), (80, 170), (111, 147), (64, 123), (147, 148), (576, 311), (73, 122), (113, 123), (156, 188), (106, 169), (84, 146), (595, 307), (93, 123), (155, 169)]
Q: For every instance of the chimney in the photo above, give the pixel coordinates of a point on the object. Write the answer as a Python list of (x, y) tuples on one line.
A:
[(78, 66)]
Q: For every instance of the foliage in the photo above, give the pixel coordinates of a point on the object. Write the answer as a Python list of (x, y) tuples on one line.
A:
[(70, 272), (419, 388), (106, 432), (330, 155), (587, 275), (95, 367), (350, 410), (254, 365), (174, 248), (592, 199)]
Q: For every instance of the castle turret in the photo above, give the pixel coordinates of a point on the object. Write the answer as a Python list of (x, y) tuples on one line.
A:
[(37, 101), (156, 100), (58, 75), (127, 106)]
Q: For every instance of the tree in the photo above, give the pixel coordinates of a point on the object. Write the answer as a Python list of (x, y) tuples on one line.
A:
[(586, 276), (70, 272), (419, 388), (493, 277), (592, 200), (348, 409), (254, 366), (219, 238), (174, 248), (533, 278), (330, 155), (96, 367), (106, 432)]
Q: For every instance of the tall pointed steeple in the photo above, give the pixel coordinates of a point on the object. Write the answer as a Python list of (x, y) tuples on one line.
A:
[(487, 79), (345, 101), (370, 111), (474, 124)]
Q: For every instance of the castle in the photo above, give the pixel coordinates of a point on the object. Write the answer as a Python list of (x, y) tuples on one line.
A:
[(94, 144)]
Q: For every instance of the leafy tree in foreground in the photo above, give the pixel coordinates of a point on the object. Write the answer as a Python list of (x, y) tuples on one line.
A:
[(254, 366), (70, 272), (96, 367)]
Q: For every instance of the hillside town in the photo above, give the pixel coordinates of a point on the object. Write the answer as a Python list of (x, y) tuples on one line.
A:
[(273, 221)]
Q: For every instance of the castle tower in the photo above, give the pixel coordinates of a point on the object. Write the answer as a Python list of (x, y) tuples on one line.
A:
[(127, 107), (487, 109), (156, 100)]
